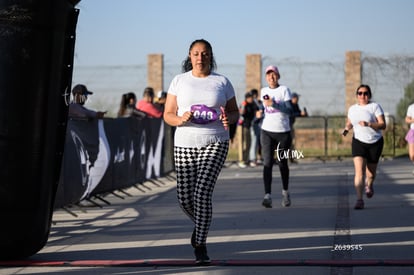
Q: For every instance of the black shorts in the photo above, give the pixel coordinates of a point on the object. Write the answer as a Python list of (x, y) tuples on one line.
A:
[(371, 152)]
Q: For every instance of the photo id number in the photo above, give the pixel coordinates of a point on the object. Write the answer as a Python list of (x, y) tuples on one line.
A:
[(347, 247)]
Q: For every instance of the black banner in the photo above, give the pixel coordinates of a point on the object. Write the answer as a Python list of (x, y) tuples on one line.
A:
[(109, 154)]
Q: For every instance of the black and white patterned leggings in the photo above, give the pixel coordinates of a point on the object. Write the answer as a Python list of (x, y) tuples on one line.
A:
[(197, 172)]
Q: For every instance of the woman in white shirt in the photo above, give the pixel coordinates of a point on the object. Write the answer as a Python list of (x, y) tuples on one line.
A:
[(275, 135), (366, 118), (202, 105), (410, 134)]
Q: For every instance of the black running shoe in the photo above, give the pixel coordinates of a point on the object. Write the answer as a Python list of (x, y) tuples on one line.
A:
[(200, 252)]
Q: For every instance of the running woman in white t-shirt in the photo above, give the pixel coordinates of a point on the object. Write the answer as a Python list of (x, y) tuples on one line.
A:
[(275, 136), (202, 105), (409, 118), (367, 120)]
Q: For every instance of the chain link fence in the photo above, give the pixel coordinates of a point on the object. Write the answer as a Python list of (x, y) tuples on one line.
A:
[(321, 137), (321, 85)]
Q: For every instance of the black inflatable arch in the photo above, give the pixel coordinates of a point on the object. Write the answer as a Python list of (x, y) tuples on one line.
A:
[(36, 56)]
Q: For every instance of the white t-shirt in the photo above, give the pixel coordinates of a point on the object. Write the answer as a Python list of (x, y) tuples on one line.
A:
[(275, 120), (213, 91), (410, 113), (369, 113)]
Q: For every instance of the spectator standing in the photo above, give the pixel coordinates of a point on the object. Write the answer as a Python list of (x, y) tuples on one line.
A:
[(367, 119), (275, 136), (247, 114), (127, 105), (202, 105), (255, 148), (146, 104), (161, 98), (80, 95), (297, 112)]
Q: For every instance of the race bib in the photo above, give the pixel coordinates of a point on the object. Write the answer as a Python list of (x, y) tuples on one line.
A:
[(203, 114)]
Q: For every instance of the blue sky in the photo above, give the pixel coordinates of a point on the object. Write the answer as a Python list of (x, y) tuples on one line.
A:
[(124, 32), (290, 34)]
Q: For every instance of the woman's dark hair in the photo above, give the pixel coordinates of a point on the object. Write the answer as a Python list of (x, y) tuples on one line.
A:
[(125, 101), (187, 66), (366, 87), (129, 96)]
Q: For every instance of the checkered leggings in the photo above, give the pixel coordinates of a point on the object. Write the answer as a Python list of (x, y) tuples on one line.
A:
[(197, 171)]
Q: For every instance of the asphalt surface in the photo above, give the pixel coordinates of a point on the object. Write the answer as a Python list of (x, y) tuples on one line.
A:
[(143, 230)]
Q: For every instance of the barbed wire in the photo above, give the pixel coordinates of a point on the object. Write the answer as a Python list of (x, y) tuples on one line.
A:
[(321, 84)]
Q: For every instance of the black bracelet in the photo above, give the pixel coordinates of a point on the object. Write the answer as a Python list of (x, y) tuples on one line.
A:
[(345, 132)]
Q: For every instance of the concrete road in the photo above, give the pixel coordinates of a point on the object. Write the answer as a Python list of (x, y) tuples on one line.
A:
[(143, 230)]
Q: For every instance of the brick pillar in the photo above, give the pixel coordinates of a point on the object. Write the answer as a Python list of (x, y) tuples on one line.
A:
[(353, 76), (155, 72), (253, 81), (253, 72)]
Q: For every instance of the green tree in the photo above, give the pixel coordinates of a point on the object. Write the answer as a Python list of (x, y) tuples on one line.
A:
[(405, 102)]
